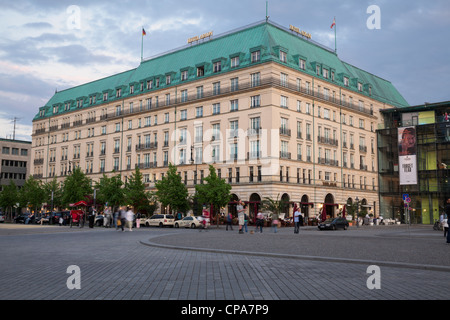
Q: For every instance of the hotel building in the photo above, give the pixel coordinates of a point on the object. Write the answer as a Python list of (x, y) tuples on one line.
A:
[(277, 114)]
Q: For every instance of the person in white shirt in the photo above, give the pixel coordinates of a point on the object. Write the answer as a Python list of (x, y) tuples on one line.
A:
[(129, 218)]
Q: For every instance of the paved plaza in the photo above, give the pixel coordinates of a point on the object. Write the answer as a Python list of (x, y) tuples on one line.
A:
[(412, 263)]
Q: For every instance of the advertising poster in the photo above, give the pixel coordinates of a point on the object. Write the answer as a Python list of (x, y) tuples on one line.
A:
[(407, 153)]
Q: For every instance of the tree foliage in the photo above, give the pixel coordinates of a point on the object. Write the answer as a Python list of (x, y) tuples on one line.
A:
[(9, 198), (214, 191), (76, 187), (172, 192), (110, 191)]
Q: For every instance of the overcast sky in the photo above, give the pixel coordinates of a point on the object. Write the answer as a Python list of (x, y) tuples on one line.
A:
[(47, 45)]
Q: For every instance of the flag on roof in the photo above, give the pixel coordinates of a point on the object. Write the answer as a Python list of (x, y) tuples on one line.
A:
[(333, 24), (143, 32)]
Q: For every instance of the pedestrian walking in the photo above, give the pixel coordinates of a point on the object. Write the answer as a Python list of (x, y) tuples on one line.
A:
[(91, 217), (116, 218), (107, 217), (275, 222), (122, 218), (245, 220), (240, 211), (129, 217), (138, 220), (259, 221), (445, 225), (229, 221), (297, 216)]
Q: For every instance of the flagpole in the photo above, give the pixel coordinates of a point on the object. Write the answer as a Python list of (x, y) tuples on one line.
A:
[(335, 41), (142, 44)]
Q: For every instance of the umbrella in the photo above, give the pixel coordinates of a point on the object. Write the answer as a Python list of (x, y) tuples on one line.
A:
[(79, 203)]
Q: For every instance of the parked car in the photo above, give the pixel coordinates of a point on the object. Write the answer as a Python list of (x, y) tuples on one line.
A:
[(333, 224), (2, 218), (99, 220), (160, 220), (188, 222)]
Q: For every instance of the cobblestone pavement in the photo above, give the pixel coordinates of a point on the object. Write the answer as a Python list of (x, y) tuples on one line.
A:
[(184, 264)]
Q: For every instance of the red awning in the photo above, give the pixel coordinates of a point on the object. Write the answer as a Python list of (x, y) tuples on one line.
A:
[(79, 203)]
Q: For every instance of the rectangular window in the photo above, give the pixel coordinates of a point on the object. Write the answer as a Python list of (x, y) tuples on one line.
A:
[(216, 88), (234, 84), (200, 71), (255, 79), (234, 62), (302, 64), (199, 112), (256, 56), (184, 75), (283, 56), (216, 108), (183, 114), (217, 66), (234, 105), (255, 101), (184, 95)]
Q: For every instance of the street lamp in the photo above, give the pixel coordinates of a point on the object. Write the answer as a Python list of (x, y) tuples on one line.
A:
[(357, 211), (195, 181)]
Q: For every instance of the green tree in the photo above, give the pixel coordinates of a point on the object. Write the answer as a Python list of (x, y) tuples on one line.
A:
[(76, 187), (213, 191), (110, 191), (172, 192), (54, 187), (135, 193), (9, 198), (274, 205), (32, 194)]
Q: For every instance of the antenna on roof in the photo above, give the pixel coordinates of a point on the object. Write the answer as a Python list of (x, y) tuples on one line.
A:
[(14, 130), (267, 11)]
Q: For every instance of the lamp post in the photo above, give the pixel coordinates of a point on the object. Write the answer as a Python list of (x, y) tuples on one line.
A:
[(357, 211), (195, 181)]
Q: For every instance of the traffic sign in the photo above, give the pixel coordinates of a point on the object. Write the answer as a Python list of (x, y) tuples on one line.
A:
[(405, 196)]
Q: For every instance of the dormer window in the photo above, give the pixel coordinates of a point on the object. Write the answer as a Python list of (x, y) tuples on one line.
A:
[(325, 73), (359, 86), (149, 84), (346, 81), (217, 66), (256, 56), (234, 62), (105, 96), (118, 93), (200, 71), (318, 70), (168, 79), (283, 56), (184, 75), (302, 64), (55, 109)]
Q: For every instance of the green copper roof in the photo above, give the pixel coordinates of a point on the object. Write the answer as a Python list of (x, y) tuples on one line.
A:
[(267, 37)]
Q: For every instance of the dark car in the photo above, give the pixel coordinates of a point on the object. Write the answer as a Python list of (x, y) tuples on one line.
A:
[(333, 224)]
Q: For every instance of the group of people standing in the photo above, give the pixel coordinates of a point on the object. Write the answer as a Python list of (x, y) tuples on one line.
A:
[(122, 218), (243, 219)]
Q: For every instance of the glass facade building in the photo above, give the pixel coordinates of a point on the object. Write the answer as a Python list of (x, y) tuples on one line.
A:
[(431, 164)]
